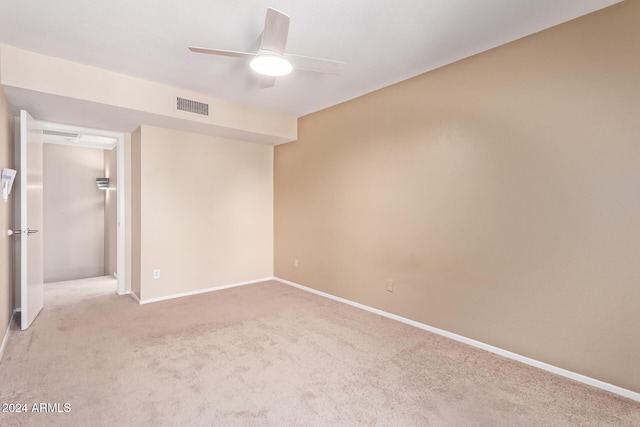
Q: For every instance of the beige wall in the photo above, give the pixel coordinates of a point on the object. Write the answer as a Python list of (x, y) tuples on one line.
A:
[(6, 219), (205, 213), (110, 212), (73, 213), (501, 193)]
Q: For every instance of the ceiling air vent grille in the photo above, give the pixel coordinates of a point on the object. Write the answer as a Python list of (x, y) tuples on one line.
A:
[(60, 133), (193, 106)]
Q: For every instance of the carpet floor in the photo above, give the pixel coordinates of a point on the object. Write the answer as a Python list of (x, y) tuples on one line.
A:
[(267, 355)]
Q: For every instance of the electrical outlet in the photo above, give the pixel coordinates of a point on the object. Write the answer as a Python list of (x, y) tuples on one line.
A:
[(295, 263), (389, 285), (156, 274)]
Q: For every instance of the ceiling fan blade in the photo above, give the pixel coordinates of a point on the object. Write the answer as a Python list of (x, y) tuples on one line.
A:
[(222, 52), (267, 82), (318, 65), (276, 31)]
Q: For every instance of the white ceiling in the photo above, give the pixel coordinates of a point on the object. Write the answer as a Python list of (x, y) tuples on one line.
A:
[(381, 42)]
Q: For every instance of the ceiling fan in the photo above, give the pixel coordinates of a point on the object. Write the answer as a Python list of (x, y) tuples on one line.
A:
[(270, 60)]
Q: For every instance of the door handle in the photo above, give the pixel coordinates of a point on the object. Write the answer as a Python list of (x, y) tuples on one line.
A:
[(19, 232)]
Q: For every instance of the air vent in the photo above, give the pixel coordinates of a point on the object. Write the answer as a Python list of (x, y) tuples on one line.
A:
[(193, 106), (102, 183), (59, 133)]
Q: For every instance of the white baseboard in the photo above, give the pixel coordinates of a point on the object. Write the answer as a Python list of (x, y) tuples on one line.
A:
[(496, 350), (6, 337), (134, 296), (201, 291)]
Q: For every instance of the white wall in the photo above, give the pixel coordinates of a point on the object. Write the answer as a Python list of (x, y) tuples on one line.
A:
[(73, 213)]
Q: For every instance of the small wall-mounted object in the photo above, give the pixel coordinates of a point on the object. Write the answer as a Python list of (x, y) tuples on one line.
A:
[(103, 183), (8, 176)]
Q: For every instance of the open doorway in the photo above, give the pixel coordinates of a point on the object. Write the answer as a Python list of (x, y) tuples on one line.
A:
[(85, 234)]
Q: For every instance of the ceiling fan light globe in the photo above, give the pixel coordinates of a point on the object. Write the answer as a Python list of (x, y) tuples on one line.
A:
[(271, 65)]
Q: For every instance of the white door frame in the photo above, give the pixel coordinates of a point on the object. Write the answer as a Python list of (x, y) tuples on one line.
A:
[(120, 239), (122, 287)]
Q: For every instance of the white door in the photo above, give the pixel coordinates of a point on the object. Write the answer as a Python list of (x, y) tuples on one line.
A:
[(30, 227)]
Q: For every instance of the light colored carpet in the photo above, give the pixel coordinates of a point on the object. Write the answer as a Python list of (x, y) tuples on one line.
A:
[(269, 354)]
